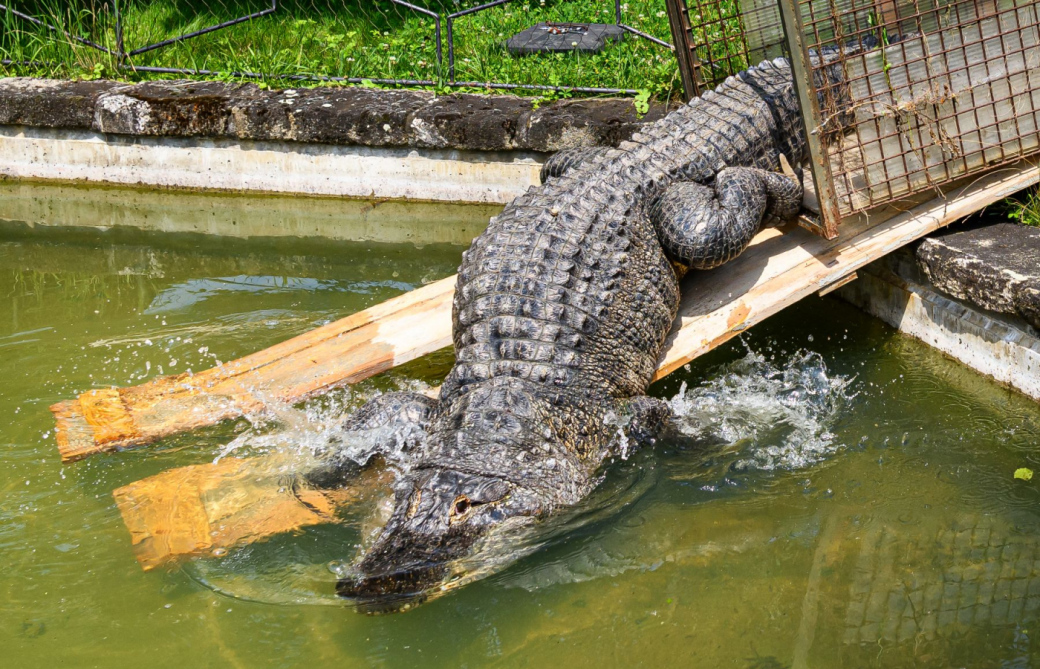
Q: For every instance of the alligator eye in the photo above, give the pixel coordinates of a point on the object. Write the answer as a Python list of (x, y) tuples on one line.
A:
[(462, 505)]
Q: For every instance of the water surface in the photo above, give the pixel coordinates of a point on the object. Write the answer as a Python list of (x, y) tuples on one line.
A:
[(841, 495)]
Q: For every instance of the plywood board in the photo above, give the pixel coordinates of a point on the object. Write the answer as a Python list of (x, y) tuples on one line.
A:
[(208, 509)]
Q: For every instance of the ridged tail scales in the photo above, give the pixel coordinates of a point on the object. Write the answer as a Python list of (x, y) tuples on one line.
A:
[(703, 227)]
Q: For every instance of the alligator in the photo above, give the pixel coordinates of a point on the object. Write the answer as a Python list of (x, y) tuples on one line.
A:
[(560, 314)]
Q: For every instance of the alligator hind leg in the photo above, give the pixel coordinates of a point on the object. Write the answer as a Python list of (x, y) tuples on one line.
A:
[(703, 227), (568, 159), (385, 420), (646, 418)]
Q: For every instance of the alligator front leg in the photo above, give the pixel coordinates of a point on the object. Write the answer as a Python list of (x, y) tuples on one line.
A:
[(392, 423), (703, 227), (568, 159)]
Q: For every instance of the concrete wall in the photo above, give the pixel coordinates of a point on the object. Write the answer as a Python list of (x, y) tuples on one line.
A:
[(266, 166), (336, 141), (1000, 346)]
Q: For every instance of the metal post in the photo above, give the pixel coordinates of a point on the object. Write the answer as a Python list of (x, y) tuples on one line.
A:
[(120, 50), (682, 37), (812, 119)]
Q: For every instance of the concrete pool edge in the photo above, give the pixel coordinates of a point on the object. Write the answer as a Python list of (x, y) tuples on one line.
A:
[(338, 141), (284, 168), (999, 346)]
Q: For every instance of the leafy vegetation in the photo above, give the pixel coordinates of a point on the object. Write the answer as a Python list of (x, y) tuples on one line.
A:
[(1025, 207), (371, 39)]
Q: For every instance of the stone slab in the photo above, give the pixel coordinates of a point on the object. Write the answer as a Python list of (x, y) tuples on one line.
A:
[(50, 103), (996, 267), (564, 37), (1003, 347), (340, 115)]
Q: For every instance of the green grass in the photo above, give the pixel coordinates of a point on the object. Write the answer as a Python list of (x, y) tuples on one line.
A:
[(1025, 207), (356, 39)]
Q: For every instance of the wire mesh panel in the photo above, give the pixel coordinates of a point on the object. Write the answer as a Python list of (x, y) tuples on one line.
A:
[(912, 93), (727, 36), (918, 93), (416, 42)]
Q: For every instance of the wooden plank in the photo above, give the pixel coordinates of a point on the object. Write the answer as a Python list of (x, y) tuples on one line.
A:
[(206, 510), (718, 305), (776, 271), (346, 351)]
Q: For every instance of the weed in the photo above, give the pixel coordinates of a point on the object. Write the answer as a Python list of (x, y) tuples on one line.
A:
[(1024, 207)]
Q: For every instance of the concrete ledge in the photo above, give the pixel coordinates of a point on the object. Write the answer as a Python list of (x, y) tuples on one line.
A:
[(343, 141), (1000, 346), (348, 116), (268, 167)]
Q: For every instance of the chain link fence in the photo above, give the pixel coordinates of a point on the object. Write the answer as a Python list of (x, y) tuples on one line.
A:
[(561, 46)]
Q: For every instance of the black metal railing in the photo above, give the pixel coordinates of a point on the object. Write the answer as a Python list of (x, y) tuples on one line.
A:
[(445, 28)]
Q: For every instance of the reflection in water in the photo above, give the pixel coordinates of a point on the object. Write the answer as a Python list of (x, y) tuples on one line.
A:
[(852, 506), (191, 292)]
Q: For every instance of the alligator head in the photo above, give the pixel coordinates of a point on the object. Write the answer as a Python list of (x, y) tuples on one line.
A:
[(441, 517)]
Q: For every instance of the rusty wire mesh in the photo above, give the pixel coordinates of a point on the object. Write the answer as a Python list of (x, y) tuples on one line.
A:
[(914, 94), (929, 91)]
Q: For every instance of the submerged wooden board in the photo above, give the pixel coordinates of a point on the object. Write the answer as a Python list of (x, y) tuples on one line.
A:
[(205, 510), (776, 271)]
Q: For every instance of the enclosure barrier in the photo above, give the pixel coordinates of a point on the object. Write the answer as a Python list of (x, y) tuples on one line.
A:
[(580, 31), (899, 97)]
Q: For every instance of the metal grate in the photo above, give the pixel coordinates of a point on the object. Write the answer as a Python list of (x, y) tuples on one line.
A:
[(915, 94), (900, 96)]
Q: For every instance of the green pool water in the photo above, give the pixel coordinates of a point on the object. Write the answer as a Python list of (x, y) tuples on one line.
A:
[(843, 496)]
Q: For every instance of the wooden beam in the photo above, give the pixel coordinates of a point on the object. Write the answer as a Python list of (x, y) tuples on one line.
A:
[(771, 275), (776, 271), (206, 510), (346, 351)]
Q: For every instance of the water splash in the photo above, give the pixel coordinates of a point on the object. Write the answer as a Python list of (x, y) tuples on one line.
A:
[(765, 415), (776, 416), (316, 433)]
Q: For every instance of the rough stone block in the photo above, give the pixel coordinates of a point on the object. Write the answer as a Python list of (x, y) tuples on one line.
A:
[(49, 103), (996, 267), (477, 122), (172, 108), (571, 123), (349, 116)]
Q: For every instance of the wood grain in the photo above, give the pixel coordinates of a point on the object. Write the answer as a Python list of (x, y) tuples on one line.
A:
[(208, 509)]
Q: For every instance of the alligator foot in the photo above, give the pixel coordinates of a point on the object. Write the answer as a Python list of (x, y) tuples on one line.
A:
[(568, 159), (648, 417), (384, 419), (703, 227)]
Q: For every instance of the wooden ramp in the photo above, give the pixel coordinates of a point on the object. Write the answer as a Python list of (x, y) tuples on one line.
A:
[(779, 269)]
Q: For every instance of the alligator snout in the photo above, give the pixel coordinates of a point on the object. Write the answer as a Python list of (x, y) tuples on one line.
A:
[(441, 518), (391, 592)]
